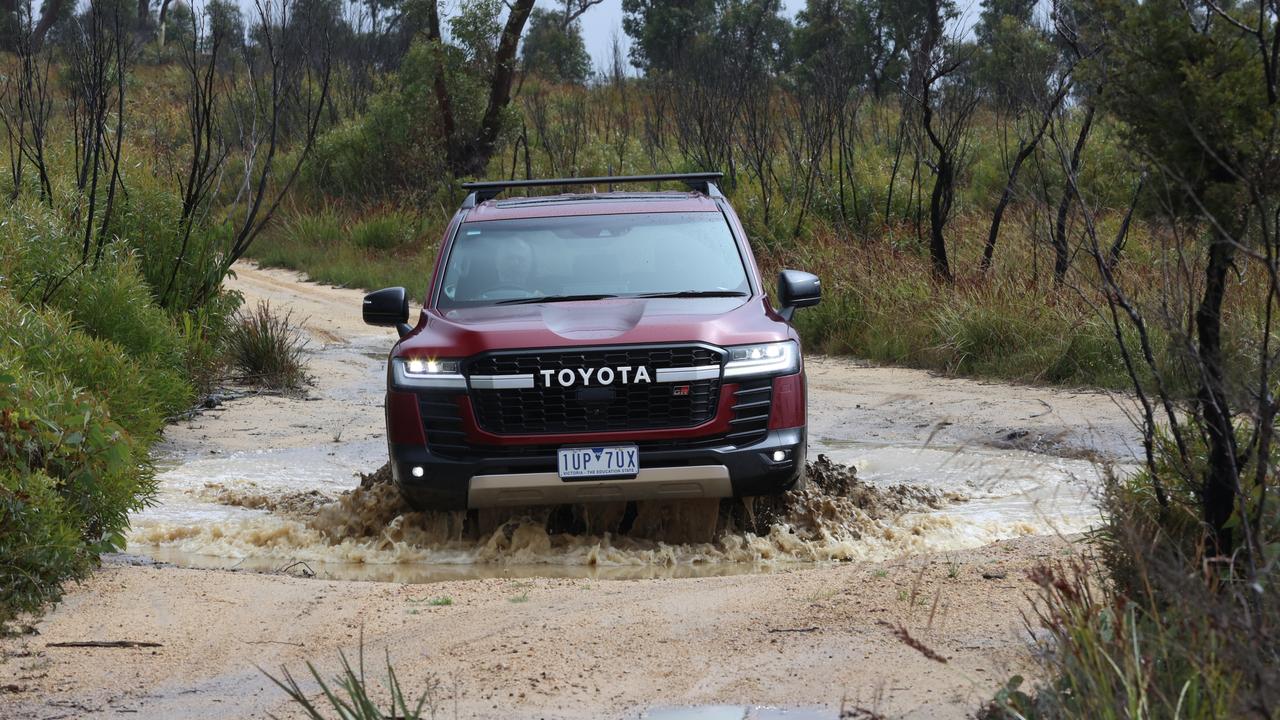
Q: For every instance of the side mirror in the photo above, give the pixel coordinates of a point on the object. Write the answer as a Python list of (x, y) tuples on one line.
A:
[(388, 307), (796, 290)]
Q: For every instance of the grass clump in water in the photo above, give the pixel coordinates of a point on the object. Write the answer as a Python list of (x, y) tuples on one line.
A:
[(266, 349)]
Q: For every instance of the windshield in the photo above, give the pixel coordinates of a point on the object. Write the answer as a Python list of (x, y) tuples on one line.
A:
[(592, 256)]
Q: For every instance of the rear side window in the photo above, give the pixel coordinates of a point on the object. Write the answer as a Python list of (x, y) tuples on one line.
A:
[(609, 255)]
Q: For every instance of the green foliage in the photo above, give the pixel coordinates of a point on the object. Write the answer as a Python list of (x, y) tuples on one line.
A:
[(316, 244), (832, 44), (1158, 628), (114, 303), (1192, 98), (661, 30), (556, 54), (476, 30), (351, 697), (177, 266), (397, 147), (90, 367), (266, 349), (98, 466), (139, 394), (226, 22), (320, 229), (204, 334), (389, 231), (69, 476), (39, 548), (1015, 58)]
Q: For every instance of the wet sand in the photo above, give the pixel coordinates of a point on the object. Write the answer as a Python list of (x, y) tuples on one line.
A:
[(541, 648), (240, 481)]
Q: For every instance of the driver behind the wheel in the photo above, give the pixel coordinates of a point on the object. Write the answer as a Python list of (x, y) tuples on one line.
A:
[(515, 264), (494, 268)]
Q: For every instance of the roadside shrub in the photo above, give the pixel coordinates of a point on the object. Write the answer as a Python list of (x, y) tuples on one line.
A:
[(110, 301), (34, 250), (265, 349), (204, 334), (139, 396), (113, 302), (101, 470), (388, 231), (980, 337), (319, 229), (90, 367), (1159, 628), (39, 548), (69, 477), (1112, 658)]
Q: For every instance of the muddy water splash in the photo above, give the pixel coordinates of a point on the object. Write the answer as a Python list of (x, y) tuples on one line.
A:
[(836, 516)]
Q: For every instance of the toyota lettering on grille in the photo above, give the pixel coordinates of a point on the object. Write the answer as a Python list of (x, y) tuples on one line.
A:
[(622, 374)]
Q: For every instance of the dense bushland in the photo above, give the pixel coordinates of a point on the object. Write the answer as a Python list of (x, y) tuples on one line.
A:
[(88, 378), (120, 225)]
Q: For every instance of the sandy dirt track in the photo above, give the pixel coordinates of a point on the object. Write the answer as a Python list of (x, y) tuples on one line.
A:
[(571, 648)]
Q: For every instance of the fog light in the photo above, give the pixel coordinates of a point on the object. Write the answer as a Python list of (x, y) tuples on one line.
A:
[(779, 455), (417, 471)]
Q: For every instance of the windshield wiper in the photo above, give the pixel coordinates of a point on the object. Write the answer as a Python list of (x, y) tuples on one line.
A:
[(554, 298), (693, 294), (602, 296)]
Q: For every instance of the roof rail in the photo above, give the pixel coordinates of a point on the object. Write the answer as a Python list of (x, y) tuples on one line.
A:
[(703, 182)]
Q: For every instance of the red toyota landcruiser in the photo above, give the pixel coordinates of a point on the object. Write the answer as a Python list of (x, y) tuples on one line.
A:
[(595, 347)]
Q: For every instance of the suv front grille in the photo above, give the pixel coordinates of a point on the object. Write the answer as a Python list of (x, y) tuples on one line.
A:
[(442, 420), (634, 406)]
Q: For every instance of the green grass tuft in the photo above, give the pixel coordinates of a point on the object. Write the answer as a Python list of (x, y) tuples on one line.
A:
[(266, 349)]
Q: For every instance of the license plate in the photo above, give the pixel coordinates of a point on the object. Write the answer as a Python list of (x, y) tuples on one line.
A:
[(607, 461)]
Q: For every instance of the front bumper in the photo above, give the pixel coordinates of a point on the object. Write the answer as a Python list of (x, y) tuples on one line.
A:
[(703, 472)]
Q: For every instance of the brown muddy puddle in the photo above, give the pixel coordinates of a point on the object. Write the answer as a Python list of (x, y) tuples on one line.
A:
[(295, 511)]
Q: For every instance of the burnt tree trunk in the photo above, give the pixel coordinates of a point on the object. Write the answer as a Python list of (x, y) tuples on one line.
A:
[(477, 152), (939, 208), (1221, 482), (49, 12), (444, 103), (1061, 250), (988, 250), (1024, 151), (144, 15), (1117, 245)]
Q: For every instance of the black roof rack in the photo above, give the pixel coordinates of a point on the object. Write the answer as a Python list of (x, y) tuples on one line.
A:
[(703, 182)]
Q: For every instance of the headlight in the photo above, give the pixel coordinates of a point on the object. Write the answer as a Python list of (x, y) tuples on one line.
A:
[(428, 373), (780, 358)]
